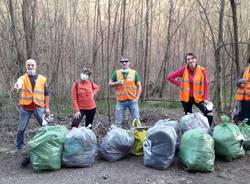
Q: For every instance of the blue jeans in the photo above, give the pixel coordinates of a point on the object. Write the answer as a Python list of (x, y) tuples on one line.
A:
[(24, 117), (121, 108), (245, 107)]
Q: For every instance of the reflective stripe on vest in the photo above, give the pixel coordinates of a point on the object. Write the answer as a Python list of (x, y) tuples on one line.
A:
[(243, 92), (128, 90), (198, 85), (37, 96)]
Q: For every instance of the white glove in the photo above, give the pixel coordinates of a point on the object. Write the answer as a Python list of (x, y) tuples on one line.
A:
[(19, 83), (209, 105)]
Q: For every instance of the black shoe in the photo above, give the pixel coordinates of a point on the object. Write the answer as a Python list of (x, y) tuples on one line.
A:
[(26, 160)]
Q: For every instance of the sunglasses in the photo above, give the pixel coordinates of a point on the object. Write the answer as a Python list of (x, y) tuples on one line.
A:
[(123, 61)]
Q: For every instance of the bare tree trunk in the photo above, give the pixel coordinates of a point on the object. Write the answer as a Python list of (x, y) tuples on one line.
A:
[(108, 58), (95, 37), (248, 49), (145, 82), (149, 50), (218, 77), (115, 39), (20, 58), (231, 85), (166, 55), (141, 43), (123, 27), (29, 10), (236, 46)]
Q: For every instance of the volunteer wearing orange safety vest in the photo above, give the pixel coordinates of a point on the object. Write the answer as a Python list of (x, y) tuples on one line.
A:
[(33, 99), (193, 86), (127, 85), (243, 91)]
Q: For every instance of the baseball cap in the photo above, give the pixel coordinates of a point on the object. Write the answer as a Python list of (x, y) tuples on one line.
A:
[(123, 59)]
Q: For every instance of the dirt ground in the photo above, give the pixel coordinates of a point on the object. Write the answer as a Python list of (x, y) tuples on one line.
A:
[(128, 170)]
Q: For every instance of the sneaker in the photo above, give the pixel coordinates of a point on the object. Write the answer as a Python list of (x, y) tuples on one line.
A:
[(26, 160), (13, 150)]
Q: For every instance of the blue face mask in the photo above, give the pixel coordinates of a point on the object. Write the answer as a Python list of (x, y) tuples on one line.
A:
[(84, 76), (31, 72)]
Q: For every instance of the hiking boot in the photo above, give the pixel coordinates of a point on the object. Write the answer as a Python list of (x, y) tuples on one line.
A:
[(25, 161)]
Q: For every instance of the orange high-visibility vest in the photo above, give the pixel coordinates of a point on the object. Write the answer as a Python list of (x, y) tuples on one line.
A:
[(198, 85), (128, 90), (243, 92), (27, 96)]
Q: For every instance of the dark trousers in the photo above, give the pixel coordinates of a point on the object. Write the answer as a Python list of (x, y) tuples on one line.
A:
[(90, 114), (245, 108), (187, 106)]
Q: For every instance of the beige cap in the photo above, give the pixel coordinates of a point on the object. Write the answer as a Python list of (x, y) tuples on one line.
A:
[(123, 58)]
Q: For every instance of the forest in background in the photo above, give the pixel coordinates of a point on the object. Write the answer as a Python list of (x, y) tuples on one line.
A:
[(65, 35)]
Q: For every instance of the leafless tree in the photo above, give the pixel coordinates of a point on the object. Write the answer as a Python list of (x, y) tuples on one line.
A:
[(64, 35), (235, 28)]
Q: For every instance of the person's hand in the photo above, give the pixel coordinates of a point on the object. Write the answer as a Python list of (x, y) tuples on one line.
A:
[(120, 82), (77, 115), (135, 100), (242, 81), (47, 111)]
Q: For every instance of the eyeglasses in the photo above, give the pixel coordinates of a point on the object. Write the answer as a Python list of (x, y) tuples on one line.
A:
[(123, 61)]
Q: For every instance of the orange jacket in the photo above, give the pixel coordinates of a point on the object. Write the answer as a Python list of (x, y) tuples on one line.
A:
[(198, 85), (82, 95), (27, 96), (127, 90), (243, 92)]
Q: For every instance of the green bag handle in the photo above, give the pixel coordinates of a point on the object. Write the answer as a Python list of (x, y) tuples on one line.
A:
[(136, 123), (225, 119), (245, 121)]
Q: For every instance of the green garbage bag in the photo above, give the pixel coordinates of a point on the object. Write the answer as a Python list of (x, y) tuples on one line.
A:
[(228, 140), (245, 130), (139, 135), (197, 150), (46, 147)]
